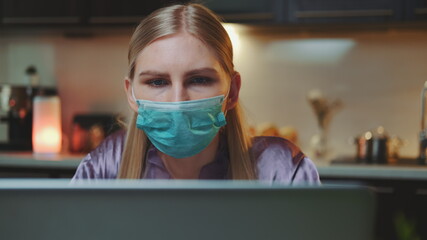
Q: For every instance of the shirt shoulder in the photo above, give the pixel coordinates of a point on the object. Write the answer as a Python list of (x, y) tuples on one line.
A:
[(278, 159), (104, 161)]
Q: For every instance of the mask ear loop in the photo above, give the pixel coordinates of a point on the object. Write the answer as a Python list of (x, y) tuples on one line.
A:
[(226, 100), (222, 129), (133, 95)]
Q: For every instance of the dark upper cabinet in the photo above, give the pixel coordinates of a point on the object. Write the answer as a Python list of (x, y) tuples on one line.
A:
[(49, 12), (416, 10), (250, 11), (339, 11), (124, 11), (130, 12), (80, 12)]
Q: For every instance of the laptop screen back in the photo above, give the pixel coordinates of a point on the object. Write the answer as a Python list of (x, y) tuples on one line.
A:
[(183, 210)]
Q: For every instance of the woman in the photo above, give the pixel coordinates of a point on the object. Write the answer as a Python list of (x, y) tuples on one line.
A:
[(187, 122)]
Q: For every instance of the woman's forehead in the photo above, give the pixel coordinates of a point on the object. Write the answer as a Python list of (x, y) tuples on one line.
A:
[(176, 52)]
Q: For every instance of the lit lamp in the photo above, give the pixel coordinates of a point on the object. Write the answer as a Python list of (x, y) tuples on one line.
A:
[(47, 133)]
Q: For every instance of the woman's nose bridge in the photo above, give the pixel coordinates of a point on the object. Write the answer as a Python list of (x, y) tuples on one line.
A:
[(179, 92)]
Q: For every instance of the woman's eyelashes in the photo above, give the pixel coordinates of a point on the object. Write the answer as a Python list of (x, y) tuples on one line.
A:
[(192, 81), (157, 82), (200, 80)]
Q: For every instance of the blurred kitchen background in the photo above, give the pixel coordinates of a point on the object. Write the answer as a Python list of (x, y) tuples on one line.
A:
[(369, 55)]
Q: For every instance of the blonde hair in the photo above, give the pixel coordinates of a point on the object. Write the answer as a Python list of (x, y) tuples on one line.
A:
[(203, 24)]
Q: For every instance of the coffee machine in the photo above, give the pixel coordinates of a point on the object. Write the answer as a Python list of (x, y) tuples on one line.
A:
[(16, 115)]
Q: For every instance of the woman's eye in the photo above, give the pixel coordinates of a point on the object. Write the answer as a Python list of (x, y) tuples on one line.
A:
[(201, 80), (157, 82)]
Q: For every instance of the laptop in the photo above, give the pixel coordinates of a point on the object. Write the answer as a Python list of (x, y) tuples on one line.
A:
[(154, 210)]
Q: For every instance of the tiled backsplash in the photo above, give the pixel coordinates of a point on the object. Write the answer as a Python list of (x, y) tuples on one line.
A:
[(377, 75)]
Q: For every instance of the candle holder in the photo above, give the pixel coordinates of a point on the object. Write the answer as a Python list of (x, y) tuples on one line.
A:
[(47, 133)]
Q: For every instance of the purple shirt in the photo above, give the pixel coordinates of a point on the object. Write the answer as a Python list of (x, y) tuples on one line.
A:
[(276, 159)]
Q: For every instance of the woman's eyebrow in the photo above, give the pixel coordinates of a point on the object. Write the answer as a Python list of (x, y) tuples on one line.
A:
[(206, 70), (152, 73)]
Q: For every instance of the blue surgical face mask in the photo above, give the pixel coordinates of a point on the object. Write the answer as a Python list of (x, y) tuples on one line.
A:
[(181, 129)]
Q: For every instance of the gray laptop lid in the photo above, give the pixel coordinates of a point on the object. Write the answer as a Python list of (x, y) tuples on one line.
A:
[(49, 209)]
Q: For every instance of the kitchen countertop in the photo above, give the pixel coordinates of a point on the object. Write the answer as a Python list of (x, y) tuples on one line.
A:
[(31, 160), (407, 172), (340, 170)]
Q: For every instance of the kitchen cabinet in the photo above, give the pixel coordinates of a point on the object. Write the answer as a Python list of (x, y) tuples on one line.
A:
[(400, 191), (79, 12), (295, 12), (338, 11), (397, 198), (246, 11), (415, 10), (35, 173), (122, 12), (41, 12)]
